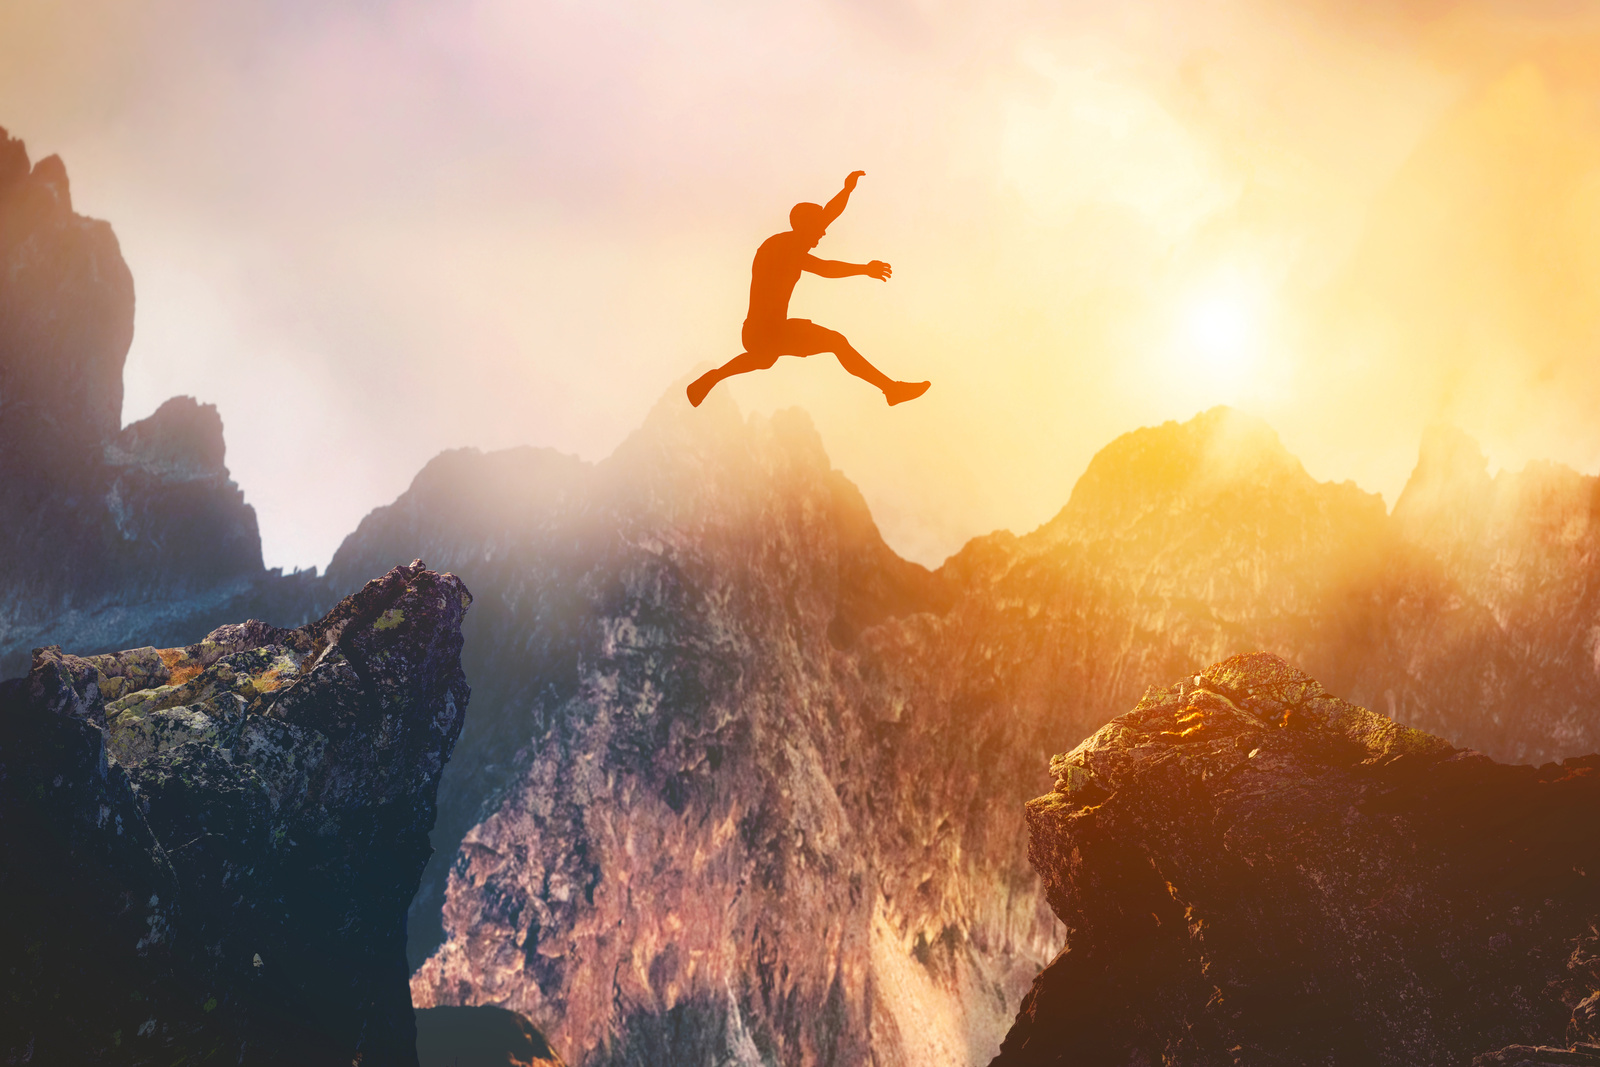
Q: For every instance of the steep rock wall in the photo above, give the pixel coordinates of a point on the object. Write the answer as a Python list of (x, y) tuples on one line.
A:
[(210, 850), (108, 535), (675, 838)]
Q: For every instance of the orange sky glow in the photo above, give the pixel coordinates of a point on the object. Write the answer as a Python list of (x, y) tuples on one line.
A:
[(368, 231)]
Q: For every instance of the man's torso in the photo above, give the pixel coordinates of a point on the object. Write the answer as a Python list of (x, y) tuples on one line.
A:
[(772, 277)]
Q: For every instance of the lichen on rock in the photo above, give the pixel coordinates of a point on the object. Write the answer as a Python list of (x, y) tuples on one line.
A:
[(269, 792)]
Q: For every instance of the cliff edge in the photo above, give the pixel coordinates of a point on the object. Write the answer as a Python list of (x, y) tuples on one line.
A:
[(1253, 871), (210, 850)]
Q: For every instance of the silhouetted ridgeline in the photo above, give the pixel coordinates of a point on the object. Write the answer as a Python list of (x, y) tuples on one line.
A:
[(1257, 872), (109, 537)]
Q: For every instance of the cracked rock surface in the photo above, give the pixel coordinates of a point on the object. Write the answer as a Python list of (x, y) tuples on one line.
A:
[(210, 849)]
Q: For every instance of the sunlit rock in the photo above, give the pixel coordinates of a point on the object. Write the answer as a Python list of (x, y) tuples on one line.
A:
[(1252, 870)]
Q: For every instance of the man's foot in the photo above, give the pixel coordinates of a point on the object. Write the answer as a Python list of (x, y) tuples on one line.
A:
[(700, 387), (900, 392)]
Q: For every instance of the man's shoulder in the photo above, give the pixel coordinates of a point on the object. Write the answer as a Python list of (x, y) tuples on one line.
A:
[(779, 244)]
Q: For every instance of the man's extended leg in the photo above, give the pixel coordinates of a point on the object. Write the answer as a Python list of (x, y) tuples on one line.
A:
[(743, 363), (822, 339), (857, 364)]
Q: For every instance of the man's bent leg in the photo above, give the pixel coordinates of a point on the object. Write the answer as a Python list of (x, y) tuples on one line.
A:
[(743, 363)]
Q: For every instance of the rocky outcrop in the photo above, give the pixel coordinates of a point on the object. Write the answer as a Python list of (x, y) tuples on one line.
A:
[(210, 850), (1254, 871), (108, 535), (681, 835), (718, 719)]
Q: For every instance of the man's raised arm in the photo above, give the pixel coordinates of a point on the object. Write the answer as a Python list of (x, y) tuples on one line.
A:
[(835, 207)]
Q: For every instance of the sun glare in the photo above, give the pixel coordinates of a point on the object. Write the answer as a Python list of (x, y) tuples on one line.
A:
[(1219, 336)]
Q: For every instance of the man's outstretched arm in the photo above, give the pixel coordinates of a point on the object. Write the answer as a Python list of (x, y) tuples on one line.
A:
[(833, 268), (835, 207)]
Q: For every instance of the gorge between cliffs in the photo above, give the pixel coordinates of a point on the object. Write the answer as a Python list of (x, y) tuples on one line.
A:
[(740, 786)]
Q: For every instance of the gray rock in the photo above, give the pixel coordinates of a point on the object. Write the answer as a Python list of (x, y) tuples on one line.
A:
[(210, 849)]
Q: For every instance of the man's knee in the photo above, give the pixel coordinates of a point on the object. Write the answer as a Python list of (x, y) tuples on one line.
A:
[(834, 340)]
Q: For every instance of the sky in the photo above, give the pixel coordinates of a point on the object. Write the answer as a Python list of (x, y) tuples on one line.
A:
[(369, 231)]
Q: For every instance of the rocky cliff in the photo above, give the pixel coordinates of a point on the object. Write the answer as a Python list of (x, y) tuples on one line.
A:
[(1253, 871), (684, 828), (743, 784), (108, 535), (210, 850)]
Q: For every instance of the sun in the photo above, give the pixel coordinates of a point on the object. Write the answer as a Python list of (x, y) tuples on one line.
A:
[(1219, 334)]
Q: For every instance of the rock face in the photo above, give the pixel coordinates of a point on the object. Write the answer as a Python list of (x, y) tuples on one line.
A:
[(210, 850), (685, 831), (107, 535), (1253, 871), (66, 317), (744, 785)]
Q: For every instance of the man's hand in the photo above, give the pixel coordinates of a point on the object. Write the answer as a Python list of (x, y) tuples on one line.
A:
[(850, 181), (879, 269)]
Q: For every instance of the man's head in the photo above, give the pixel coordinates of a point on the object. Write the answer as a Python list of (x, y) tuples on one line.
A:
[(806, 220)]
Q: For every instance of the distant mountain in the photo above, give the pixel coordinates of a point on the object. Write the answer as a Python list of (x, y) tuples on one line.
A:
[(109, 536), (687, 833), (741, 785)]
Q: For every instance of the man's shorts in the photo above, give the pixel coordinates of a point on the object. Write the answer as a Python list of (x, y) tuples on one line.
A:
[(791, 337)]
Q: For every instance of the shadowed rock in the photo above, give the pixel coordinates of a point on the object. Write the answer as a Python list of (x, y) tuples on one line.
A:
[(107, 534), (480, 1037), (210, 849), (1254, 871)]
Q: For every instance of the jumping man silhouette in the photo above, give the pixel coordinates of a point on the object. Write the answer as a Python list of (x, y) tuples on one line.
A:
[(768, 330)]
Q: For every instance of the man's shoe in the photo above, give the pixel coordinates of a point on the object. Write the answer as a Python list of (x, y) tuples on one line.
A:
[(699, 388), (900, 392)]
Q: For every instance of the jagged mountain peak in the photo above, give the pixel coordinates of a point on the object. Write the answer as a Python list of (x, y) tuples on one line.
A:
[(66, 318), (108, 534), (1212, 463), (1452, 505), (181, 440)]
